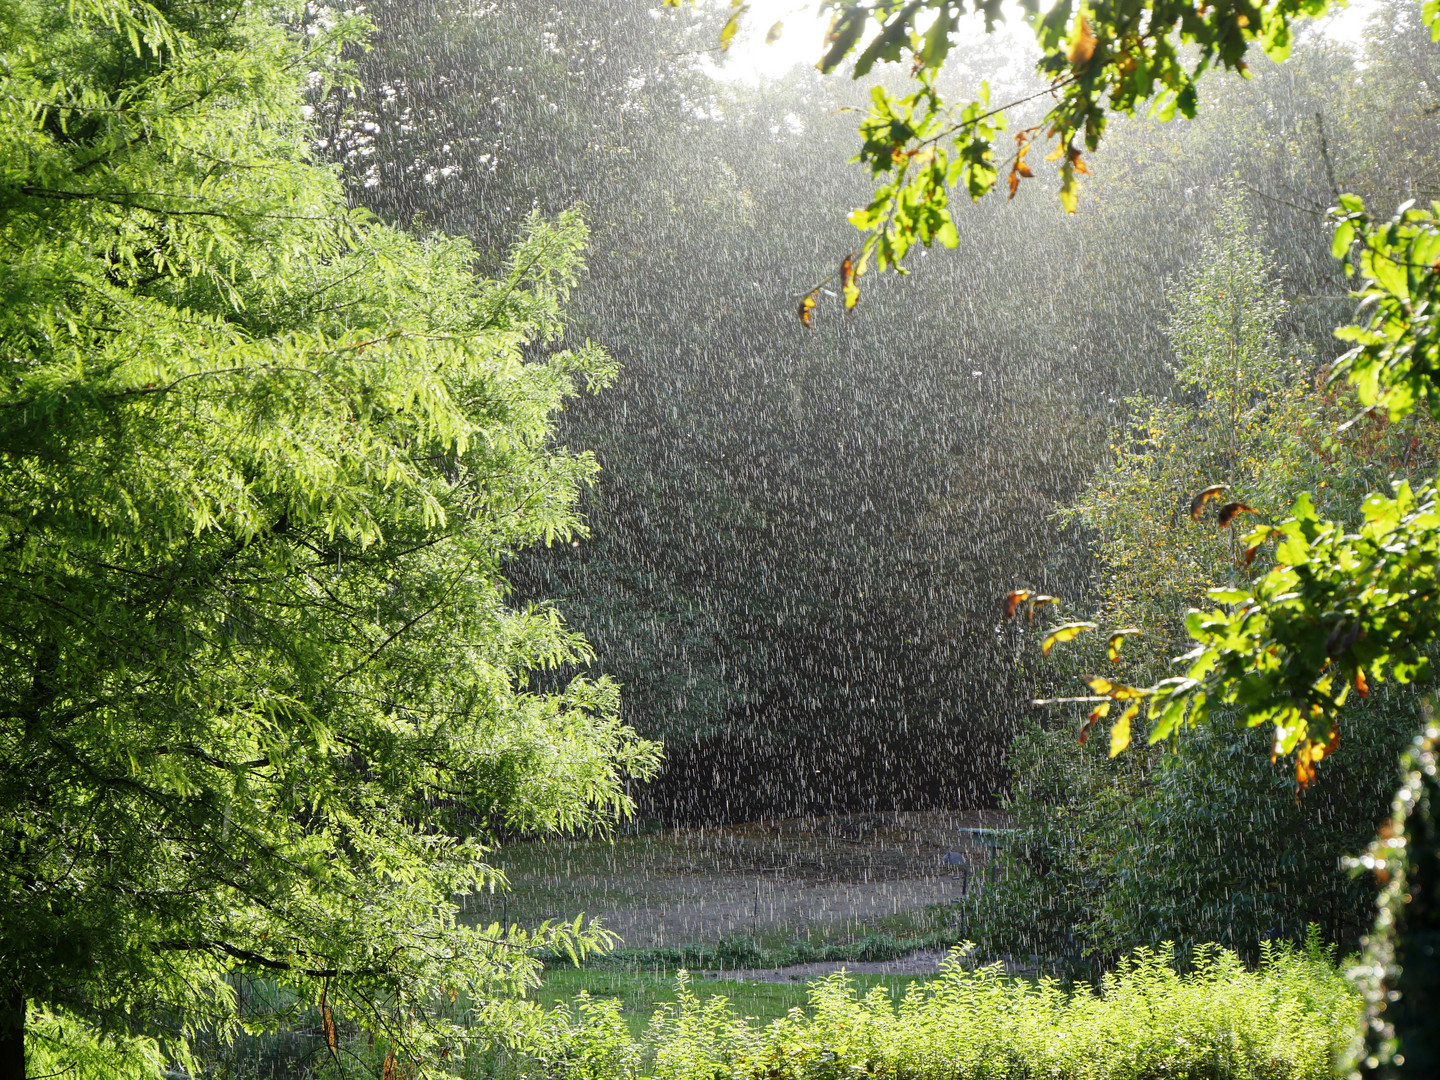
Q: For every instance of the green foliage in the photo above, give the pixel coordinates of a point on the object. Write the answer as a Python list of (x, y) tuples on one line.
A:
[(1285, 1019), (1096, 60), (1205, 843), (1398, 973), (1208, 842), (265, 704)]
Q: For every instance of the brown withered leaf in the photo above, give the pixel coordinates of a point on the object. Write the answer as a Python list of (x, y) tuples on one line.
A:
[(1077, 162), (1101, 710), (1018, 168), (807, 309), (1197, 504), (1014, 600), (1229, 511), (327, 1023), (1117, 639), (1083, 47), (388, 1070), (1067, 632), (848, 288)]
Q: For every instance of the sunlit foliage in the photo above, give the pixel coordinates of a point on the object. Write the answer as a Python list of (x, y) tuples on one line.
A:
[(1285, 1020), (264, 702)]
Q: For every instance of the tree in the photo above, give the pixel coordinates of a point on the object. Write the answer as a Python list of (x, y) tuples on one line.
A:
[(1208, 842), (264, 702)]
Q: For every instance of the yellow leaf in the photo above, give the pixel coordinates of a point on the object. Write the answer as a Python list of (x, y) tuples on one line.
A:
[(1069, 189), (774, 33), (1119, 691), (807, 309), (732, 26), (1120, 731), (1068, 632), (1117, 639)]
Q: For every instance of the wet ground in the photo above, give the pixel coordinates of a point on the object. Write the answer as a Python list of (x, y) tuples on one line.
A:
[(773, 880)]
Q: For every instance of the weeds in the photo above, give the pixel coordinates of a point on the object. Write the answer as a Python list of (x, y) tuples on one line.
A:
[(1284, 1020)]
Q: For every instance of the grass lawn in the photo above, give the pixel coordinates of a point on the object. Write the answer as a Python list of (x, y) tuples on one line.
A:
[(639, 992)]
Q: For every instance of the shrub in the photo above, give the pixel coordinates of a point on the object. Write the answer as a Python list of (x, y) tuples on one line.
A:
[(1284, 1020)]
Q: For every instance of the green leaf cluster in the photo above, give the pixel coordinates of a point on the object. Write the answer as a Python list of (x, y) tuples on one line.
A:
[(1097, 59)]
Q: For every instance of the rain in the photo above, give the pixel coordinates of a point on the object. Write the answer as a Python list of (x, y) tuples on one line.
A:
[(801, 538), (880, 585)]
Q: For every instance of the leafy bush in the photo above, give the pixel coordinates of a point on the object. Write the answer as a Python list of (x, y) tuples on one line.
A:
[(1205, 843), (1288, 1018)]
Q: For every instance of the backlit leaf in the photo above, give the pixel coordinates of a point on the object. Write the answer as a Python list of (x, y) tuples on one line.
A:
[(1037, 602), (1228, 512), (1117, 639), (773, 34), (1067, 632), (1120, 731), (1014, 600), (1101, 710), (1119, 691), (807, 309), (732, 25), (848, 288), (1082, 43), (327, 1024), (1197, 504)]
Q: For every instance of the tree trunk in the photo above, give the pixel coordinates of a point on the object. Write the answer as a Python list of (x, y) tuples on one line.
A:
[(12, 1037)]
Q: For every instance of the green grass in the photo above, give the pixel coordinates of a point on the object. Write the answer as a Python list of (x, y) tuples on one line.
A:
[(638, 993), (850, 941)]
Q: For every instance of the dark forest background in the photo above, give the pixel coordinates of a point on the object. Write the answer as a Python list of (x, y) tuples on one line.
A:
[(801, 538)]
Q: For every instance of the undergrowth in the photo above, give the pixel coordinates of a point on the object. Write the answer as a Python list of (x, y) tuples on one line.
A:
[(1283, 1020)]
